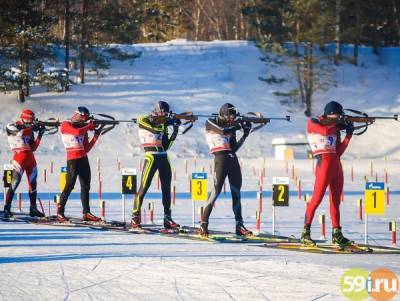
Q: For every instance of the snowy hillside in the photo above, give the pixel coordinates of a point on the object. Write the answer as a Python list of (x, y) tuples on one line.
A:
[(203, 75)]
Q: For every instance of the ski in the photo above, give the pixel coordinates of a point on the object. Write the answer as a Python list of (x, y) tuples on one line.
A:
[(334, 249)]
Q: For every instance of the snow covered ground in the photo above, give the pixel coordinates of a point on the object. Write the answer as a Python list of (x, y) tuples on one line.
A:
[(47, 263)]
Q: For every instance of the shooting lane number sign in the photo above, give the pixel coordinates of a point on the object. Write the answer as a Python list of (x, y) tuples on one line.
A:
[(199, 186), (129, 185), (375, 198), (7, 175), (280, 191)]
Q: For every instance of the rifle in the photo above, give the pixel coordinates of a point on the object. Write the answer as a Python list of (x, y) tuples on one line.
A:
[(258, 118), (361, 117), (50, 125), (106, 125)]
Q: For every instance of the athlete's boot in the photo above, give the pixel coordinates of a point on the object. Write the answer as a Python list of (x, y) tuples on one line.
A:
[(7, 211), (306, 236), (203, 230), (89, 217), (34, 212), (61, 218), (135, 221), (241, 230), (339, 239), (169, 223)]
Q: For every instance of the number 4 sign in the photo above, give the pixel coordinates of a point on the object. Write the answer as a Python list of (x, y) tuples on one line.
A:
[(375, 198)]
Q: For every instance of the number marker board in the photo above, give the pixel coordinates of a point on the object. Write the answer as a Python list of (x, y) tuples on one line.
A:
[(280, 191), (199, 186), (7, 176), (129, 177), (375, 198)]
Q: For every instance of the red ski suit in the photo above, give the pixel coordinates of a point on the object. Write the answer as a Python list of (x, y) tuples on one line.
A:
[(23, 144), (327, 148)]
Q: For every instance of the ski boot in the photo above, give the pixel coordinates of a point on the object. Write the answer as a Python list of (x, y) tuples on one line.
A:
[(89, 217), (203, 230), (169, 223), (241, 230), (61, 218), (135, 222), (306, 237), (7, 212), (34, 212), (339, 240)]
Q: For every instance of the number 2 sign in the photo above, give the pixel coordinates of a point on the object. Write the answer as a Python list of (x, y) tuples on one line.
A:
[(280, 191)]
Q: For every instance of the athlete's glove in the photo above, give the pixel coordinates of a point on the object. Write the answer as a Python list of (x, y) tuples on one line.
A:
[(98, 130), (91, 126), (41, 131), (349, 128), (246, 128)]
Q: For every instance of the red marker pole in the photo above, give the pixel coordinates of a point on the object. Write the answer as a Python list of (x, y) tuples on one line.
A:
[(260, 199), (20, 202), (299, 190), (45, 175), (352, 174), (360, 209), (387, 196), (174, 174), (103, 210), (392, 228), (41, 206), (376, 176), (151, 212), (51, 167), (49, 208), (158, 181), (372, 169), (258, 221), (386, 176), (173, 195), (186, 167), (323, 227)]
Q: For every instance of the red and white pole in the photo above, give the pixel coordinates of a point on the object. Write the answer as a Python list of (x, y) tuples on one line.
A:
[(360, 209), (20, 202), (352, 174), (299, 189), (151, 212), (392, 228), (103, 210), (323, 227), (260, 200), (173, 195), (258, 221), (387, 195), (51, 167)]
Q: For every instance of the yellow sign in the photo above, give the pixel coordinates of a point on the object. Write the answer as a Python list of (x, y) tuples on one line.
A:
[(375, 198), (199, 186), (63, 178)]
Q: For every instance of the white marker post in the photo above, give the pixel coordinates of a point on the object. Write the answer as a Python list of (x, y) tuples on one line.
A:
[(374, 202), (280, 196), (128, 186)]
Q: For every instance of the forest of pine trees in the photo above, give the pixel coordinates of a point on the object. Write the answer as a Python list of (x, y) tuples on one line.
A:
[(27, 26)]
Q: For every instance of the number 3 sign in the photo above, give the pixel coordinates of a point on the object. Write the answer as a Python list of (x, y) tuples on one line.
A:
[(199, 186)]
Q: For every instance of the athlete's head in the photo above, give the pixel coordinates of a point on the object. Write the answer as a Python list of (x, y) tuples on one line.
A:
[(81, 114), (27, 116), (333, 108), (227, 113), (160, 111)]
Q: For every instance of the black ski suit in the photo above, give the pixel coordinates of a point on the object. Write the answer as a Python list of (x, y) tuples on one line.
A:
[(223, 145)]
